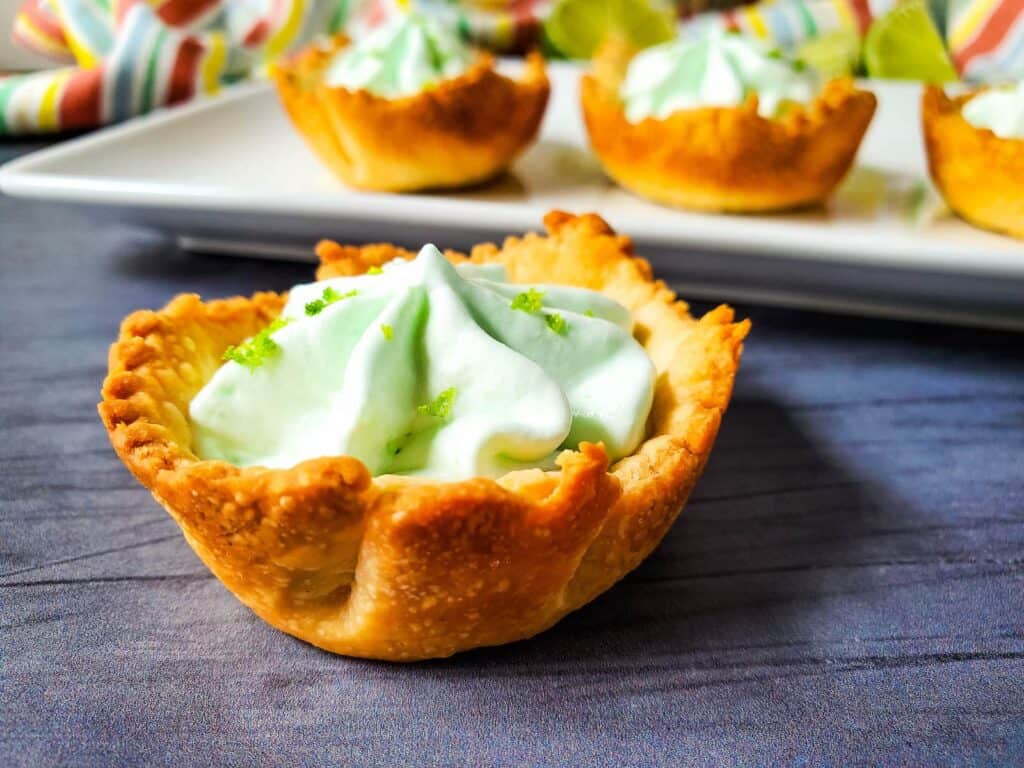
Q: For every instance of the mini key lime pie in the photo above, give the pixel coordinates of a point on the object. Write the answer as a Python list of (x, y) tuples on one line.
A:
[(410, 106), (975, 146), (722, 123), (420, 454)]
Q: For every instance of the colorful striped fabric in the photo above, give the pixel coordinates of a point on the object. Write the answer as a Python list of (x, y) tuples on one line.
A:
[(986, 38), (135, 55), (37, 28), (787, 23)]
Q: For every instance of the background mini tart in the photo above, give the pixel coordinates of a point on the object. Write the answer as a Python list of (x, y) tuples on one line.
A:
[(728, 159), (462, 131), (402, 569), (980, 174)]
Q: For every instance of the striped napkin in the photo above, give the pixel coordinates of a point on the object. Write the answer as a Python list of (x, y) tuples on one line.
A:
[(986, 38), (787, 23), (126, 57)]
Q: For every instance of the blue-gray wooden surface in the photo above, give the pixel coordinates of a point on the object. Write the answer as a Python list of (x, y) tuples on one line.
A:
[(845, 588)]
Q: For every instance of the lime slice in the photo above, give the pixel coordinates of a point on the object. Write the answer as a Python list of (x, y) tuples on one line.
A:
[(834, 55), (905, 45), (577, 28)]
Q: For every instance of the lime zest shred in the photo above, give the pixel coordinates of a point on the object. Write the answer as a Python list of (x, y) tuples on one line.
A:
[(528, 301), (556, 323), (253, 353), (329, 296), (388, 331), (589, 313), (441, 406), (374, 270)]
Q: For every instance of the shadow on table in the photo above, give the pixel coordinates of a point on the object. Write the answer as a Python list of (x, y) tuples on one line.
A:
[(740, 569)]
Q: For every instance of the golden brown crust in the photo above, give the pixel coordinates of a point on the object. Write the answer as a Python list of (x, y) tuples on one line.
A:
[(980, 174), (398, 569), (465, 130), (726, 159)]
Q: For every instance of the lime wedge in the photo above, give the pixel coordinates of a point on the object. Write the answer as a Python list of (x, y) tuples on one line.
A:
[(905, 44), (835, 54), (577, 28)]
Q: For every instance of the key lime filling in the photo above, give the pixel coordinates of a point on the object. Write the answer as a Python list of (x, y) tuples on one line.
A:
[(1001, 110), (403, 57), (430, 370), (716, 69)]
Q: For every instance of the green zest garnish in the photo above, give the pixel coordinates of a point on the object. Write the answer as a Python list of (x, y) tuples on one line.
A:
[(253, 353), (374, 271), (556, 323), (388, 331), (589, 313), (441, 406), (528, 301), (330, 296)]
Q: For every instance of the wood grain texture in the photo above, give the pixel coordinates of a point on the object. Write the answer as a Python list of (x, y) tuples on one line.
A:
[(845, 588)]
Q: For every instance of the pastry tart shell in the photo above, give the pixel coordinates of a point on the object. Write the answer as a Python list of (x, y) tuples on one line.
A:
[(402, 569), (980, 174), (460, 132), (726, 159)]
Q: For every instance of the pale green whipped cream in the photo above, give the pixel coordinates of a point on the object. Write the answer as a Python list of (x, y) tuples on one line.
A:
[(401, 58), (426, 369), (718, 69), (1001, 110)]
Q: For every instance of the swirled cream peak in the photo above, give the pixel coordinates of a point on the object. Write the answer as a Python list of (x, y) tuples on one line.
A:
[(432, 370), (717, 69), (403, 57), (1001, 110)]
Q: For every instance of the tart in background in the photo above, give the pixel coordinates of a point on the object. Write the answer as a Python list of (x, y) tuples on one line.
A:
[(978, 166), (456, 127), (737, 141)]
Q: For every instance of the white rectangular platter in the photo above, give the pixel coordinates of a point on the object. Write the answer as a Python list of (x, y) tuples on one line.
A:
[(230, 174)]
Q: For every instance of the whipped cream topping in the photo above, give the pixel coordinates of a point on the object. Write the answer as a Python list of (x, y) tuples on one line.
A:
[(717, 69), (433, 370), (401, 58), (1001, 110)]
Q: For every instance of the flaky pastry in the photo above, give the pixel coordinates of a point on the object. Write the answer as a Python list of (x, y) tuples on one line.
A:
[(727, 159), (981, 175), (401, 569), (463, 131)]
